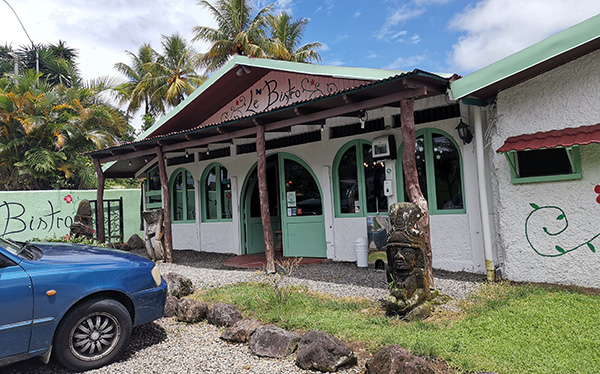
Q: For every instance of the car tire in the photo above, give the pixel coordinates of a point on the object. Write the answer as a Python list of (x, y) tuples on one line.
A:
[(92, 334)]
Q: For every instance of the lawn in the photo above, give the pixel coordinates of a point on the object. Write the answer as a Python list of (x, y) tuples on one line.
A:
[(503, 328)]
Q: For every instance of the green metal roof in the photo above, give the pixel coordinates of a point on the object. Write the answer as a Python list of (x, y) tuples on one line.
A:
[(542, 56)]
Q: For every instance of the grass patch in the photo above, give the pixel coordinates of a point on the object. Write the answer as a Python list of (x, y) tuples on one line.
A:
[(504, 328)]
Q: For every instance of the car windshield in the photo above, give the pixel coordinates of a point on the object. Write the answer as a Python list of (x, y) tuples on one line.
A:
[(10, 246)]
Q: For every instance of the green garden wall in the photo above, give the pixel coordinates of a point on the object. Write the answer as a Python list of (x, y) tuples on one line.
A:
[(40, 214)]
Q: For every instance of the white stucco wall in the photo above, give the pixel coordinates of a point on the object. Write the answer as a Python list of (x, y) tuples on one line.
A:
[(456, 238), (567, 96)]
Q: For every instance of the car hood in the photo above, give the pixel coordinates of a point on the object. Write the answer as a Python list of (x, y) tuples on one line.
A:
[(69, 253)]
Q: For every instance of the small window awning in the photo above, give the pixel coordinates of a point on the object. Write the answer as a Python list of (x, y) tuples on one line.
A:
[(552, 139)]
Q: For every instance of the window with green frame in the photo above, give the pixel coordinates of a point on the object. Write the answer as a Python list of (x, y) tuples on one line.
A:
[(439, 167), (358, 181), (153, 191), (216, 196), (544, 165), (183, 201)]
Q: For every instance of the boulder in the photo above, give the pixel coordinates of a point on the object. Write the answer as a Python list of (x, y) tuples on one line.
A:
[(134, 242), (191, 311), (223, 315), (272, 341), (171, 306), (394, 359), (321, 351), (178, 285), (241, 331)]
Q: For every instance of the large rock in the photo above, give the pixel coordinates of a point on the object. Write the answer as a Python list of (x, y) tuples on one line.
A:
[(321, 351), (223, 315), (394, 359), (171, 306), (241, 331), (272, 341), (178, 285), (191, 311), (134, 242)]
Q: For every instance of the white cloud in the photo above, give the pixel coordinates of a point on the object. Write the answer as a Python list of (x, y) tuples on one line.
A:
[(372, 54), (357, 13), (324, 47), (398, 17), (101, 29), (406, 63), (494, 29), (415, 39)]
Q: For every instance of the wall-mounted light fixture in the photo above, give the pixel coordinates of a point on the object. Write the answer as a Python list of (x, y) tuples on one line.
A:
[(363, 117), (464, 133), (243, 69)]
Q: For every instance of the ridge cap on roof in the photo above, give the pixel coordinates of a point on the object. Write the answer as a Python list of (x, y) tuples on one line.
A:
[(552, 46)]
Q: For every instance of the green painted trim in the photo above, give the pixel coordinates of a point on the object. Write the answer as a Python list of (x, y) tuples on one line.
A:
[(574, 159), (217, 166), (548, 48), (430, 172), (172, 191), (473, 101)]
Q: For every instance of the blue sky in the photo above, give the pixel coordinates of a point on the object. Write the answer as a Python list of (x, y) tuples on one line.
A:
[(453, 36)]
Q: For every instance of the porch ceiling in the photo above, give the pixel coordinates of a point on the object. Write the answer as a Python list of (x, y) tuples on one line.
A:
[(387, 92)]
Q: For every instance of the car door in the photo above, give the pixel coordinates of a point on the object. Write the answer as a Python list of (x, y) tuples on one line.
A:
[(16, 309)]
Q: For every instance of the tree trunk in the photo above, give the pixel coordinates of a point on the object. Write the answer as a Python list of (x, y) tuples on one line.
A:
[(411, 180), (264, 198), (101, 231), (166, 198)]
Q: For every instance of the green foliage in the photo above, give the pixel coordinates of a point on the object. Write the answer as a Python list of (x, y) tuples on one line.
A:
[(69, 239), (504, 328)]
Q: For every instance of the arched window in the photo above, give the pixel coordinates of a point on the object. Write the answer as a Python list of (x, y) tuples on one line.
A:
[(183, 202), (358, 181), (216, 195), (153, 189), (439, 166)]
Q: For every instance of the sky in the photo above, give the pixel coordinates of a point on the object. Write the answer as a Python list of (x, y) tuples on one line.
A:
[(446, 36)]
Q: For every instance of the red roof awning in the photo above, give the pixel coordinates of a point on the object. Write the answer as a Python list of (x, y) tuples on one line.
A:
[(552, 139)]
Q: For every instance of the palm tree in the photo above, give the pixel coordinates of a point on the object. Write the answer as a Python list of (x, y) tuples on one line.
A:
[(137, 90), (237, 32), (286, 35), (44, 129), (174, 74)]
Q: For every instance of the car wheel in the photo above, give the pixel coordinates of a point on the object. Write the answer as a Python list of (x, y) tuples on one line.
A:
[(92, 334)]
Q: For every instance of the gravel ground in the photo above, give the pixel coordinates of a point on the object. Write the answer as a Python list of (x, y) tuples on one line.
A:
[(167, 346)]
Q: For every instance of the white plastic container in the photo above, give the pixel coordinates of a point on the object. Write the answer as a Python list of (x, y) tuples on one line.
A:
[(362, 252)]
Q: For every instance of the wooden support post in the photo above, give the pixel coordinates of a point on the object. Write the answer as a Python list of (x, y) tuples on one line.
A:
[(166, 199), (263, 193), (100, 230), (411, 180)]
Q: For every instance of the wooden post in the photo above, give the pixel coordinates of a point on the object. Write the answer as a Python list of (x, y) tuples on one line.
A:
[(100, 230), (411, 180), (263, 193), (166, 199)]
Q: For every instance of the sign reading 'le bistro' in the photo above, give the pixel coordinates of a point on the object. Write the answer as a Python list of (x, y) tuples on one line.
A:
[(279, 89)]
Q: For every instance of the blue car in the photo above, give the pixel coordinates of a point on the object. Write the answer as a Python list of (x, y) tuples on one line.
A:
[(77, 303)]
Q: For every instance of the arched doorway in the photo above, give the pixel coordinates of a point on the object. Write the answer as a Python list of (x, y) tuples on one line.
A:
[(296, 209)]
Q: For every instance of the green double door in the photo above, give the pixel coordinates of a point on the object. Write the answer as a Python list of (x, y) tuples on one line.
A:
[(295, 206)]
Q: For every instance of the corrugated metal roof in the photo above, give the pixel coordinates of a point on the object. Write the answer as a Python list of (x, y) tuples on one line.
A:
[(545, 55), (551, 139)]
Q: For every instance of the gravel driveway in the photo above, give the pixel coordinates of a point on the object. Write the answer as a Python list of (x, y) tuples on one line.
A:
[(167, 346)]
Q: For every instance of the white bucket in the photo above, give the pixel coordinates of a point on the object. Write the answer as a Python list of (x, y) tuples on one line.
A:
[(362, 252)]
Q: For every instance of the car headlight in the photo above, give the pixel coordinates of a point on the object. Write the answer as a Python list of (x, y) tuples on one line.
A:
[(156, 275)]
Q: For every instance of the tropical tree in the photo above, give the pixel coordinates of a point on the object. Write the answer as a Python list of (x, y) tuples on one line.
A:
[(44, 129), (236, 33), (137, 91), (286, 36), (174, 74)]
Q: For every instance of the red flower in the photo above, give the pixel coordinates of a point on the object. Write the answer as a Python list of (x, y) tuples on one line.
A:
[(68, 199), (597, 190)]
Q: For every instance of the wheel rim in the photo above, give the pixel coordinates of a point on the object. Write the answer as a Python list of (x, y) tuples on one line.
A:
[(94, 336)]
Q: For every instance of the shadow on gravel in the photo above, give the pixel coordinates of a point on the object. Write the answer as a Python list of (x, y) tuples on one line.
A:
[(141, 337)]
